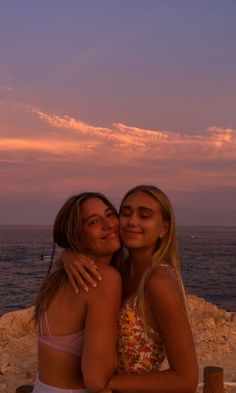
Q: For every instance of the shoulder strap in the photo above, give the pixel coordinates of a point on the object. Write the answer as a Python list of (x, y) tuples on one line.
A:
[(170, 267), (44, 318)]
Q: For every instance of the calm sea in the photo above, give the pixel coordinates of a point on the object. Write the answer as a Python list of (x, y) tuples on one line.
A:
[(208, 260)]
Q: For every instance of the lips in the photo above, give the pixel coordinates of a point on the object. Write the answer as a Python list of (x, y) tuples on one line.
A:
[(129, 232), (110, 236)]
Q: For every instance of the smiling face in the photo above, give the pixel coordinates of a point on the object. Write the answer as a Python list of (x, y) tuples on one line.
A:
[(99, 228), (141, 222)]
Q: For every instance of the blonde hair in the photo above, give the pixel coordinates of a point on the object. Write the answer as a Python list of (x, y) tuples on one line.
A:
[(67, 229), (166, 251)]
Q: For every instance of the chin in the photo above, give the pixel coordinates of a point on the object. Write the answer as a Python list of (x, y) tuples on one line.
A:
[(132, 244), (113, 249), (116, 244), (116, 248)]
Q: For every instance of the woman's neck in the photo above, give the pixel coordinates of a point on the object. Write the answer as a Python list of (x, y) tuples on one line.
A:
[(105, 259), (139, 261), (138, 264)]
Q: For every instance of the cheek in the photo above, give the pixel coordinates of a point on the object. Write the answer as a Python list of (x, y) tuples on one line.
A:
[(90, 237), (115, 222), (122, 221), (156, 230), (152, 229)]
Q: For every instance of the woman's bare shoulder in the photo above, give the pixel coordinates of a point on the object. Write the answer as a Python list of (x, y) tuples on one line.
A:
[(109, 285), (108, 271), (163, 272), (163, 282)]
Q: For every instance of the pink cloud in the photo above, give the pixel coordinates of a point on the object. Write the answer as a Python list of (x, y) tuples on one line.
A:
[(46, 145), (65, 154), (222, 136), (167, 144)]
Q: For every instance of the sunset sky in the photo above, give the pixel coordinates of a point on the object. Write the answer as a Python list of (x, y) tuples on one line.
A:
[(102, 95)]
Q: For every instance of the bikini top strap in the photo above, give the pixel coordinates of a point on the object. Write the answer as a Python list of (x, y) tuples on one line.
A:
[(170, 267), (44, 319)]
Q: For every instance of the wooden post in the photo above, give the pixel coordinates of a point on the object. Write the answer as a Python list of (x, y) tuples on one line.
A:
[(24, 389), (213, 380)]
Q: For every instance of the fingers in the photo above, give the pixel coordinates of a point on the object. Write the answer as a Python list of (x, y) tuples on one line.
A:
[(87, 265), (77, 277), (72, 281), (82, 278), (87, 262), (87, 277), (82, 272), (93, 269)]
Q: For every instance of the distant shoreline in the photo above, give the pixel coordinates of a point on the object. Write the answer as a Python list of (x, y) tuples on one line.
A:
[(207, 254)]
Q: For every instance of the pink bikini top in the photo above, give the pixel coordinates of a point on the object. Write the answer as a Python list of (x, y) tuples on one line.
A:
[(71, 343)]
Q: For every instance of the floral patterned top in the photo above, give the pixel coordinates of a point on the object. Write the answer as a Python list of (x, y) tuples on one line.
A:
[(138, 351)]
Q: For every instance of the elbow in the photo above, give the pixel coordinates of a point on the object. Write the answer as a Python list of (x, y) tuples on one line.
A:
[(95, 383), (191, 387), (186, 380), (97, 379), (97, 375), (190, 383)]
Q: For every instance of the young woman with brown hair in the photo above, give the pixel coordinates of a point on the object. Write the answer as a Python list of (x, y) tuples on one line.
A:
[(77, 333)]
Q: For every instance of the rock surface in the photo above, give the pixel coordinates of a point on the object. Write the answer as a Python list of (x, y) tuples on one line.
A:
[(18, 350), (214, 333)]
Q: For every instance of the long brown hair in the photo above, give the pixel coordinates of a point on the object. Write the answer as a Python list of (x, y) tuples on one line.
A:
[(66, 234)]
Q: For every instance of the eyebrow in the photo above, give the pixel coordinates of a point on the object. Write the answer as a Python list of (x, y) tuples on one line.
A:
[(141, 208), (96, 215)]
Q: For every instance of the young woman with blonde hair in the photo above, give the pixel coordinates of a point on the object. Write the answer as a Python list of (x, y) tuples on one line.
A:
[(153, 319)]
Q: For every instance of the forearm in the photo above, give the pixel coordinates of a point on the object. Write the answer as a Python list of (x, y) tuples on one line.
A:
[(167, 381), (97, 376)]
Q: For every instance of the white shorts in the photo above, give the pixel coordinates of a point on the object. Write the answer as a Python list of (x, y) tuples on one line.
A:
[(40, 387)]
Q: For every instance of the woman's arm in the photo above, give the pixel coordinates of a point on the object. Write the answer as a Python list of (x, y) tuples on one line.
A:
[(167, 307), (99, 350), (80, 269)]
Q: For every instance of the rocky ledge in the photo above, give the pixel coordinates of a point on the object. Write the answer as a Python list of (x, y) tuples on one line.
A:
[(214, 333)]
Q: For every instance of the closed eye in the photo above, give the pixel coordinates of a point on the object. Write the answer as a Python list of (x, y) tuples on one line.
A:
[(93, 222), (111, 214), (125, 212), (145, 215)]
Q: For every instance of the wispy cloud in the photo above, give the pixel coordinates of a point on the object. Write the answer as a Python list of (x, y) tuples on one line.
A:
[(52, 154), (222, 136), (120, 135), (48, 146), (60, 145), (65, 135)]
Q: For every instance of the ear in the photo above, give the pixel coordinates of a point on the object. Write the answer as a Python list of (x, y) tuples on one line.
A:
[(165, 229)]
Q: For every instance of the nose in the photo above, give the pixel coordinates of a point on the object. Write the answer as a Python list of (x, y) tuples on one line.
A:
[(107, 223), (132, 220)]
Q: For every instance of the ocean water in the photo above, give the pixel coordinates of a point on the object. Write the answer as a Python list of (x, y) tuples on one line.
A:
[(208, 261)]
